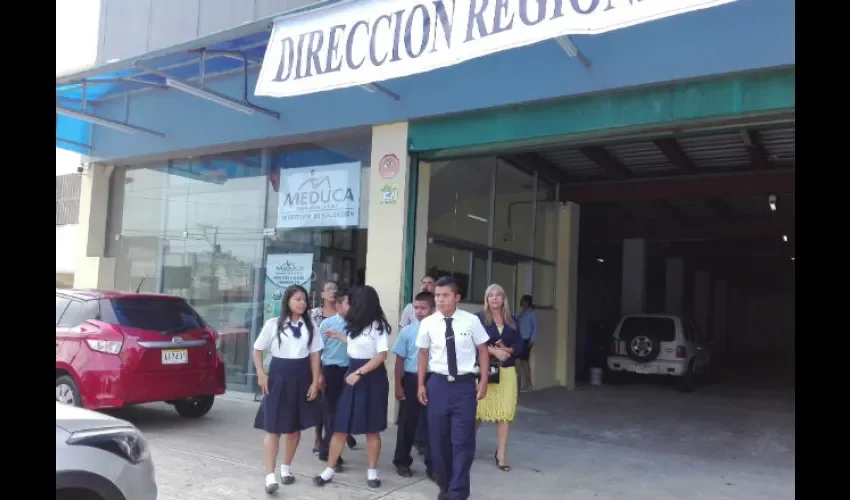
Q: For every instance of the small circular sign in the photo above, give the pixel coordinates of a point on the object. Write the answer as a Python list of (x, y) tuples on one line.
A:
[(389, 166)]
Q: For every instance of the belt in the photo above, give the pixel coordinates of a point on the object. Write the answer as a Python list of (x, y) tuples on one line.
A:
[(466, 377)]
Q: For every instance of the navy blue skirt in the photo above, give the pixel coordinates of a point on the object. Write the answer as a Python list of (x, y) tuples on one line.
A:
[(285, 408), (362, 408)]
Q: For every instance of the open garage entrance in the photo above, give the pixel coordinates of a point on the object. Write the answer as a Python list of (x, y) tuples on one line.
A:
[(699, 226)]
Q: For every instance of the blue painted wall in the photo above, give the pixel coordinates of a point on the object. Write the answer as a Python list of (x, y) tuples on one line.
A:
[(742, 36)]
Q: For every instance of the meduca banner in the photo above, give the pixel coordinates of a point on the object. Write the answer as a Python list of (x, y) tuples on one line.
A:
[(365, 41)]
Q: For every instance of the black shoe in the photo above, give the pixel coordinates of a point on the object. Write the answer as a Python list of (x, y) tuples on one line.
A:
[(323, 457), (287, 480), (351, 442), (338, 467), (404, 471), (374, 483), (320, 481)]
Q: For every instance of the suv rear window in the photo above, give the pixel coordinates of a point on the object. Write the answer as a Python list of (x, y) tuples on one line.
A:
[(161, 315), (663, 328)]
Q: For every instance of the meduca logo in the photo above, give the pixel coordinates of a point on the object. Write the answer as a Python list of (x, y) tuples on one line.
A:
[(317, 190), (288, 267)]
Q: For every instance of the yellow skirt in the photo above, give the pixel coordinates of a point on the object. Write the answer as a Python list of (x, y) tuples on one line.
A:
[(501, 399)]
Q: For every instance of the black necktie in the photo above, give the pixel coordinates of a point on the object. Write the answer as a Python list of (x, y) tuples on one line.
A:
[(451, 353), (296, 329)]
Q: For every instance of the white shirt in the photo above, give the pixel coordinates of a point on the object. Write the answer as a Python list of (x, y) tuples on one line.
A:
[(289, 347), (469, 334), (369, 343)]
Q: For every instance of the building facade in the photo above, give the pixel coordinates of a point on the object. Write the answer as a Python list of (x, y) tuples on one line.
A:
[(199, 187)]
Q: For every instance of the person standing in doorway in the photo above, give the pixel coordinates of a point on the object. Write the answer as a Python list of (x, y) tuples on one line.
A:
[(505, 344), (407, 387), (408, 315), (450, 342), (334, 365), (362, 406), (528, 330), (319, 314), (292, 385)]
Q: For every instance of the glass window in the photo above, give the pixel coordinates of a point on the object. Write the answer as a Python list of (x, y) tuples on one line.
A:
[(504, 273), (155, 314), (207, 229), (662, 328), (61, 305), (77, 312), (459, 199), (445, 261), (514, 219)]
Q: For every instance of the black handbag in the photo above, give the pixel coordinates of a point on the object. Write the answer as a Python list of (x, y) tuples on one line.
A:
[(495, 369)]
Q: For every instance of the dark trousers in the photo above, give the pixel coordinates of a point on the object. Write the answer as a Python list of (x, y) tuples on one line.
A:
[(451, 432), (421, 438), (411, 414), (334, 383)]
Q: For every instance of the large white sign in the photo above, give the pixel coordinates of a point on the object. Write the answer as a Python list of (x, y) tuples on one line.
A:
[(322, 196), (366, 41)]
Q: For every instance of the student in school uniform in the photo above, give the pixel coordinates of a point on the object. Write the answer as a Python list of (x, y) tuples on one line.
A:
[(426, 284), (291, 386), (407, 386), (362, 406), (450, 343), (335, 363), (506, 345)]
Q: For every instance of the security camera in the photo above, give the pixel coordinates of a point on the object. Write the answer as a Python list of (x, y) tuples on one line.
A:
[(80, 169)]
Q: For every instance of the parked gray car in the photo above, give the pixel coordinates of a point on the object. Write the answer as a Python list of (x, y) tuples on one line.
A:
[(99, 457)]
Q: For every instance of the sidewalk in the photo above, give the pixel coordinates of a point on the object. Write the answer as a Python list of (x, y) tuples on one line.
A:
[(218, 457)]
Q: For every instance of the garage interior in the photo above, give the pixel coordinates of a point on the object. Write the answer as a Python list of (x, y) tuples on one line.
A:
[(718, 209)]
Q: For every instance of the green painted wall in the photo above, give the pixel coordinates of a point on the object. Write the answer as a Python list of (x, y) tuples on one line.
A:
[(631, 111)]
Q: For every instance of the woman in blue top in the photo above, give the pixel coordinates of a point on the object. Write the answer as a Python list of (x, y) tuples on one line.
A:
[(505, 345)]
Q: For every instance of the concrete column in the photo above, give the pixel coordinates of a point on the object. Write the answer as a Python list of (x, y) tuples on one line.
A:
[(674, 300), (566, 297), (633, 298), (93, 270), (721, 314), (702, 299), (385, 254)]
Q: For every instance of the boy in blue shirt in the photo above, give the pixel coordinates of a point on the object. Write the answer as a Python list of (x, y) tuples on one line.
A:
[(406, 386)]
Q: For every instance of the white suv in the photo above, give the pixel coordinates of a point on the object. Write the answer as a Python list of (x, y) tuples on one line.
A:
[(655, 344)]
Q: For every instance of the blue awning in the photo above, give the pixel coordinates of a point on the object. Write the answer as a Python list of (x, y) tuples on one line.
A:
[(77, 94)]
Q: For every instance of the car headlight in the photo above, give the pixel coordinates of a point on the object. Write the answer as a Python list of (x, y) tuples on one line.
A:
[(125, 442)]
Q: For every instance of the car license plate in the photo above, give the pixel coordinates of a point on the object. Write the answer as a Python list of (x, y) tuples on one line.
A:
[(643, 369), (175, 356)]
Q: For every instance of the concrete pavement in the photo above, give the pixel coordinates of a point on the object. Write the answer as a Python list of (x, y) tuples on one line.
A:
[(564, 445)]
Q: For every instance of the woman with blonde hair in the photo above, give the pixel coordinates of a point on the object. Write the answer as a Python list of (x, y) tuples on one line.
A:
[(505, 345)]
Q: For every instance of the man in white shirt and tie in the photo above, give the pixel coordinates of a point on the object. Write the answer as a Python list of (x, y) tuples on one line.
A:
[(451, 343)]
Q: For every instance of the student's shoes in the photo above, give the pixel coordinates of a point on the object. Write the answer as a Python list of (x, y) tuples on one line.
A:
[(339, 467), (373, 483), (271, 483), (351, 442), (320, 481), (287, 480), (403, 471)]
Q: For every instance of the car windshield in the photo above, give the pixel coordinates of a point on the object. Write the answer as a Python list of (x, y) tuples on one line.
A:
[(664, 329), (162, 315)]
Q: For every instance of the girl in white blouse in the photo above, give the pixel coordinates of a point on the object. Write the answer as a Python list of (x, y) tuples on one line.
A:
[(362, 406), (292, 384)]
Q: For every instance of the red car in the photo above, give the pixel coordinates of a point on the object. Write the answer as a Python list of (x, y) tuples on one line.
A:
[(115, 349)]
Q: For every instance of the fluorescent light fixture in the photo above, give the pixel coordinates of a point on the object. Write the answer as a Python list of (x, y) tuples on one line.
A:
[(792, 258), (600, 260), (479, 219), (568, 45), (369, 87), (209, 95), (104, 122), (771, 201), (784, 237)]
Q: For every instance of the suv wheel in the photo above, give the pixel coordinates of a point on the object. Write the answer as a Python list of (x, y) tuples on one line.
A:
[(194, 407), (67, 392), (642, 347), (686, 384)]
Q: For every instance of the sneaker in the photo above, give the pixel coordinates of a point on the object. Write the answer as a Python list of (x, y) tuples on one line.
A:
[(271, 483)]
